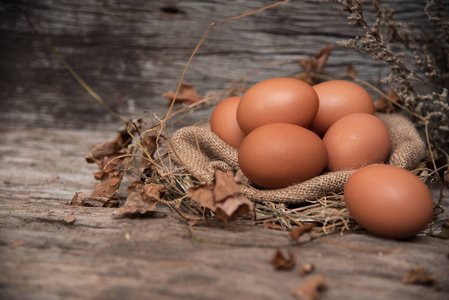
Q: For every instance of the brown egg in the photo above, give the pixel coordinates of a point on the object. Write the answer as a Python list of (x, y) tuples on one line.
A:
[(223, 122), (339, 98), (388, 201), (355, 141), (277, 100), (279, 154)]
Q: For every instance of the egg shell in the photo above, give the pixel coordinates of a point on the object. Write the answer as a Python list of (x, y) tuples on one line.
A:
[(355, 141), (277, 100), (279, 154), (388, 201), (223, 122), (339, 98)]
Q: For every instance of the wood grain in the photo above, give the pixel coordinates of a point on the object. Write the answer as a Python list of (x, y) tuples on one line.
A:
[(100, 256), (130, 52)]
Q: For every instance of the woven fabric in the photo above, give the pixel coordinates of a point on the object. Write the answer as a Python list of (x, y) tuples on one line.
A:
[(201, 152)]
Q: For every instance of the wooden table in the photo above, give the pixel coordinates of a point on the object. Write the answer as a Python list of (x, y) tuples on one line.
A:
[(130, 53)]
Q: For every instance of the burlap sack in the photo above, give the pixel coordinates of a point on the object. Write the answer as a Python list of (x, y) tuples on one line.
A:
[(202, 152)]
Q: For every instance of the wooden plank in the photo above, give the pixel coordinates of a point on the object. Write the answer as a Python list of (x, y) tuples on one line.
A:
[(130, 52), (102, 257)]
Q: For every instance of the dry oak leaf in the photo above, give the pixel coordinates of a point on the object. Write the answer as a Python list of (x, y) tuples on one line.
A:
[(281, 262), (187, 94), (385, 105), (109, 184), (311, 289), (351, 70), (305, 269), (82, 199), (297, 232), (107, 153), (70, 218), (223, 196), (418, 276), (314, 64), (142, 199)]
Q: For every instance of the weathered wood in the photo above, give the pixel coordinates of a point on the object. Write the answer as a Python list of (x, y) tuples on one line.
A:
[(130, 52), (99, 256)]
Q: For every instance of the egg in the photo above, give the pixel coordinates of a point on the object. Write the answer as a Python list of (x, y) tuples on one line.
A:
[(355, 141), (388, 201), (223, 122), (280, 154), (339, 98), (277, 100)]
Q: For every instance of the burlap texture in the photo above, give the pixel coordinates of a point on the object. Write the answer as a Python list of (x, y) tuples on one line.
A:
[(202, 152)]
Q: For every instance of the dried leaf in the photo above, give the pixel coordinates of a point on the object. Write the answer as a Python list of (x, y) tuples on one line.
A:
[(187, 94), (225, 186), (385, 105), (297, 232), (109, 183), (224, 197), (305, 269), (314, 64), (203, 194), (142, 200), (107, 153), (418, 276), (17, 243), (70, 218), (149, 142), (233, 207), (351, 70), (322, 57), (269, 224), (281, 262), (82, 199), (311, 289)]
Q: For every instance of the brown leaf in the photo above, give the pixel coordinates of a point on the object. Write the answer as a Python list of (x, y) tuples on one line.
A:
[(281, 262), (322, 57), (305, 269), (224, 197), (107, 153), (351, 70), (82, 199), (187, 95), (142, 200), (269, 224), (149, 143), (203, 194), (418, 276), (70, 218), (225, 186), (109, 183), (314, 64), (385, 105), (311, 289), (17, 243), (233, 207), (297, 232)]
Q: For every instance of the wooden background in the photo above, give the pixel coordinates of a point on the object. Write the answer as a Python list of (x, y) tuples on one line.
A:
[(130, 52)]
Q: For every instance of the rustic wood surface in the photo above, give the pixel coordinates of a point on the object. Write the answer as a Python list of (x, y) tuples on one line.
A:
[(130, 52), (100, 256)]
